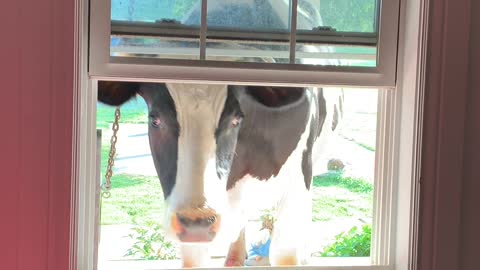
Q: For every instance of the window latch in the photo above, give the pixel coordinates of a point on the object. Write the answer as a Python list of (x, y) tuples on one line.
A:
[(168, 22), (324, 29)]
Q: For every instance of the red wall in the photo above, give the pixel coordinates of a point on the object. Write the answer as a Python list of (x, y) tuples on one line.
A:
[(36, 71)]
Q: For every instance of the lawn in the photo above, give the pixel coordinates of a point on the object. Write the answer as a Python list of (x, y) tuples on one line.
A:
[(335, 196), (138, 199), (134, 199)]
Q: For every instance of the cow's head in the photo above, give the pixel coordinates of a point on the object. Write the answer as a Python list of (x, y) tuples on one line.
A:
[(193, 132)]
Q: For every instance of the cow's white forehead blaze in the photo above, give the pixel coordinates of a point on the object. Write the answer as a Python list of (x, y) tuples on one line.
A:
[(199, 108)]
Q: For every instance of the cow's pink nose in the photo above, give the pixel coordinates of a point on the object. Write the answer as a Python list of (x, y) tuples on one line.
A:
[(196, 225)]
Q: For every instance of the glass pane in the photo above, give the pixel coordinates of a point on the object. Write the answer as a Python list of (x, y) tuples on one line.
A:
[(321, 19), (153, 10), (170, 15), (254, 15), (338, 15), (263, 18), (154, 47), (132, 228)]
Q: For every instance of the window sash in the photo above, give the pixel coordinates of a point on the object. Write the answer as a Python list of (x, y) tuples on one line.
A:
[(103, 66), (221, 33)]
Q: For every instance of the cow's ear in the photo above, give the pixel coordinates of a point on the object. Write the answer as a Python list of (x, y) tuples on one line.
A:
[(274, 96), (116, 93)]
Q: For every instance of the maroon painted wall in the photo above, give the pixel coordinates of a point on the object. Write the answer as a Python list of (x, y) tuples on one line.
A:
[(36, 87), (470, 222), (450, 200)]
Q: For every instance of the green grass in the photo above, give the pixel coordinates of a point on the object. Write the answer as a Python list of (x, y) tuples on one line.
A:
[(335, 196), (133, 112), (134, 199), (138, 199), (336, 179)]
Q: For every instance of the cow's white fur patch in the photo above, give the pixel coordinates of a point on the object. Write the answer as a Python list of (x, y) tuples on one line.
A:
[(199, 108)]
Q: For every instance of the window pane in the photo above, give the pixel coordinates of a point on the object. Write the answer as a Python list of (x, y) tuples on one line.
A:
[(264, 18), (152, 10), (321, 18), (341, 15), (166, 14)]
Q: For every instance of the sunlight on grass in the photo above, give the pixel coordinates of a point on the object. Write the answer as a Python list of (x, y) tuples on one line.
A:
[(135, 199), (336, 197)]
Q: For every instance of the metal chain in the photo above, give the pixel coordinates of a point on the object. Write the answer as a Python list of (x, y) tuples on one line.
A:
[(107, 185)]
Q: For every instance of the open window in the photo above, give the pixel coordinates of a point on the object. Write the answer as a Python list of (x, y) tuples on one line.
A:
[(348, 46)]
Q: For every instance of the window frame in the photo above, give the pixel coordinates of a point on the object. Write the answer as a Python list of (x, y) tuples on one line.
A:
[(383, 75), (402, 119)]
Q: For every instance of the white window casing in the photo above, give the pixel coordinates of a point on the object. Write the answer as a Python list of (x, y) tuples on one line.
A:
[(398, 127)]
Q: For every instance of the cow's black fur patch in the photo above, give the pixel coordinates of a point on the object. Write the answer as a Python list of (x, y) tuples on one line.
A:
[(268, 135), (163, 137), (226, 134)]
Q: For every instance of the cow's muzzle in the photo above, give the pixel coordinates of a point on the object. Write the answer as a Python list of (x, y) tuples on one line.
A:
[(196, 225)]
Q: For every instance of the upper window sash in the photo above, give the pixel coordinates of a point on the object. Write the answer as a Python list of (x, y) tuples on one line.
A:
[(103, 65)]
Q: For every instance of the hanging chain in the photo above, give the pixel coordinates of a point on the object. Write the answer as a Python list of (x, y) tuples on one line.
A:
[(107, 185)]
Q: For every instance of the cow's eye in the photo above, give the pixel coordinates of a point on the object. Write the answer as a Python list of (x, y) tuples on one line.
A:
[(155, 122), (236, 121)]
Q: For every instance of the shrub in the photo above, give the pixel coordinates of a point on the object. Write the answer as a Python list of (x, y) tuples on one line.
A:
[(354, 243), (151, 244)]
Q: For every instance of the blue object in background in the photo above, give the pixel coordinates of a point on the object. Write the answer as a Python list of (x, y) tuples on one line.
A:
[(261, 250)]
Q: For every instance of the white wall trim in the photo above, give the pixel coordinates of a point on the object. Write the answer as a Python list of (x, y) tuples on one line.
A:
[(411, 86), (82, 246)]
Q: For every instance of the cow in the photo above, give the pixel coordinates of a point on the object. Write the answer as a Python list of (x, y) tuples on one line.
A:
[(214, 145)]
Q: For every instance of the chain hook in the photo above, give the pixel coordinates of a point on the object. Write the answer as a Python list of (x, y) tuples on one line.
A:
[(107, 185)]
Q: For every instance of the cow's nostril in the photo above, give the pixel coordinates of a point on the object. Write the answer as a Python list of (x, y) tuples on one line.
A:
[(203, 222), (196, 225), (184, 221)]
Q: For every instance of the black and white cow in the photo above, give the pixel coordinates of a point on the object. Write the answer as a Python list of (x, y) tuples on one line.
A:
[(214, 145)]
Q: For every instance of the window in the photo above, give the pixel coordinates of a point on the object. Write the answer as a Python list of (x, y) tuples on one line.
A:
[(111, 63)]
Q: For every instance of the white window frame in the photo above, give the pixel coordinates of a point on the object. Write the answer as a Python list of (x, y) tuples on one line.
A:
[(383, 75), (398, 147)]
